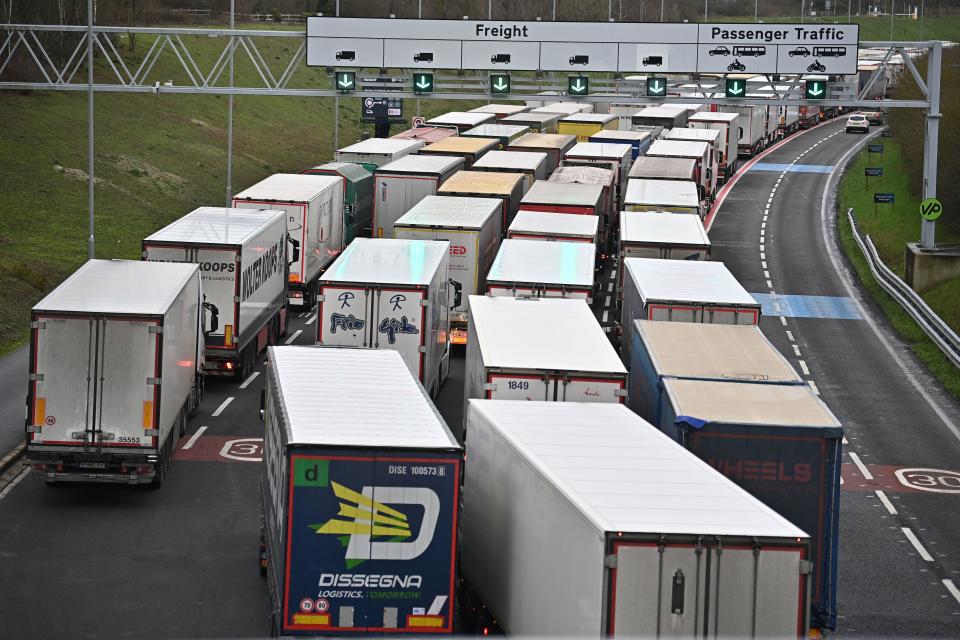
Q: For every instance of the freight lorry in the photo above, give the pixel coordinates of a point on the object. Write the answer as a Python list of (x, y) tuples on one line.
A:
[(639, 141), (650, 168), (564, 108), (593, 175), (675, 196), (752, 129), (392, 294), (468, 148), (783, 445), (583, 520), (655, 234), (553, 144), (400, 185), (543, 269), (357, 196), (427, 135), (358, 499), (116, 365), (461, 120), (666, 116), (243, 258), (728, 123), (616, 157), (564, 227), (574, 190), (472, 227), (506, 187), (375, 152), (501, 111), (504, 133), (539, 349), (538, 122), (698, 151), (683, 291), (584, 125), (532, 165), (712, 138), (314, 208)]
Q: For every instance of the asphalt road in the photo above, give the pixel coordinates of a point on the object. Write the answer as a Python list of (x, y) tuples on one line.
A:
[(105, 562), (898, 543)]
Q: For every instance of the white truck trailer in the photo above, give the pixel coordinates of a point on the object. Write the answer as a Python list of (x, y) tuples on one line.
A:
[(543, 269), (656, 234), (683, 291), (334, 459), (472, 227), (116, 365), (563, 227), (728, 123), (540, 349), (243, 258), (376, 152), (391, 294), (675, 196), (314, 208), (400, 185), (583, 520), (697, 150), (532, 165)]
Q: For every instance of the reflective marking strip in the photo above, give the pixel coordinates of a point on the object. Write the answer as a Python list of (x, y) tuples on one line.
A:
[(246, 383), (606, 315), (222, 406), (912, 537), (783, 320), (863, 468), (796, 349), (804, 368), (610, 287), (193, 439), (790, 336), (952, 588), (294, 336), (886, 502), (606, 301), (436, 605), (148, 414)]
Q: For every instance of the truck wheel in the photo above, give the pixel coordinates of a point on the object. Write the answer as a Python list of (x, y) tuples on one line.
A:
[(162, 465)]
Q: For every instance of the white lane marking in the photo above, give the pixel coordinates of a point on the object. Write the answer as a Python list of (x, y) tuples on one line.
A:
[(766, 274), (763, 225), (952, 588), (769, 284), (763, 256), (813, 385), (610, 287), (246, 383), (912, 537), (223, 405), (606, 301), (763, 232), (783, 321), (863, 468), (842, 439), (832, 251), (606, 315), (613, 275), (790, 336), (892, 510), (311, 319), (193, 439), (763, 263), (7, 489), (804, 367), (294, 336), (796, 349)]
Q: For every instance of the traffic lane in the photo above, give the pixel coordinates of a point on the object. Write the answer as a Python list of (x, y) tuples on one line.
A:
[(104, 560), (14, 372), (449, 401)]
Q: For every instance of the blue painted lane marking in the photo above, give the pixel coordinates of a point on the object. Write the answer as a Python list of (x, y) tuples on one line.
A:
[(836, 307), (797, 168)]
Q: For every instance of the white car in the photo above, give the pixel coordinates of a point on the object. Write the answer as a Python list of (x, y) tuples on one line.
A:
[(858, 122)]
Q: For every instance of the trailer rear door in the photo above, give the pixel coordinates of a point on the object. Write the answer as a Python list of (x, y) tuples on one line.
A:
[(129, 383), (400, 323), (62, 395), (586, 389)]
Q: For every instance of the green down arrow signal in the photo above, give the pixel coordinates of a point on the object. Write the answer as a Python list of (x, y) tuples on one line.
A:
[(656, 86), (578, 85), (501, 84), (422, 82), (346, 81), (816, 88), (735, 87)]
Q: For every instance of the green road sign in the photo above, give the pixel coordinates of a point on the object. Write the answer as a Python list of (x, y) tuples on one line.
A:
[(816, 90), (736, 88), (499, 83), (578, 85), (346, 81), (931, 209), (656, 86), (422, 82)]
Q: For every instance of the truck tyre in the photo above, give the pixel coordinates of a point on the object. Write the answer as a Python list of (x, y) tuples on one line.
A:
[(163, 463)]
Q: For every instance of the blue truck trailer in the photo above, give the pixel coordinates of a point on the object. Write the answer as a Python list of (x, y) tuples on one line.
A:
[(726, 394), (359, 496)]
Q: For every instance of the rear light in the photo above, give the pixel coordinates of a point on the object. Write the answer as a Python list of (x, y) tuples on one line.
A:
[(59, 467), (144, 468), (229, 366), (38, 466), (486, 631)]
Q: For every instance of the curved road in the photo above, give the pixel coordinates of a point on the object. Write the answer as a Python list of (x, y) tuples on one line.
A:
[(900, 543)]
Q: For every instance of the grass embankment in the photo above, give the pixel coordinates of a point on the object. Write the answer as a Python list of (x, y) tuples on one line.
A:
[(890, 228), (157, 158)]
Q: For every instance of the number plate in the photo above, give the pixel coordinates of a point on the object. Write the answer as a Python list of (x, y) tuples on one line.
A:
[(92, 465)]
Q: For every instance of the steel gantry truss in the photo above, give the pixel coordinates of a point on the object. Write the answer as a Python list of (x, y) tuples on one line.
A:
[(38, 70)]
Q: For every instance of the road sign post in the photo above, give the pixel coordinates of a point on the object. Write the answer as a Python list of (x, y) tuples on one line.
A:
[(736, 88), (882, 198), (931, 142), (578, 85), (656, 87), (871, 172), (499, 83), (422, 82)]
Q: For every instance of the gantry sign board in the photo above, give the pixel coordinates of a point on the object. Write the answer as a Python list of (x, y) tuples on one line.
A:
[(582, 46)]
